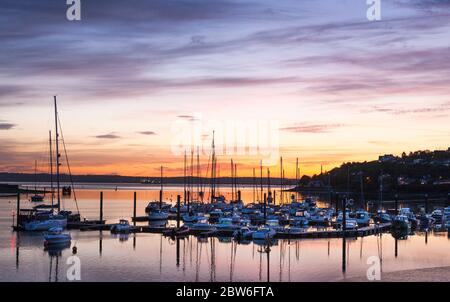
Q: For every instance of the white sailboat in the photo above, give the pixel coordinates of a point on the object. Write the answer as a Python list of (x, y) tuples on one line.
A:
[(46, 221)]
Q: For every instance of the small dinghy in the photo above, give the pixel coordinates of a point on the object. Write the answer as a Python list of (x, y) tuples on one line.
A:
[(123, 227), (55, 236)]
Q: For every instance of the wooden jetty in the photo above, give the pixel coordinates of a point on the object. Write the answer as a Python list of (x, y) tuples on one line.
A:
[(361, 232)]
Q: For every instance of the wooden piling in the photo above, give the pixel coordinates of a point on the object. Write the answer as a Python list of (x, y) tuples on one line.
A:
[(178, 210), (134, 209), (344, 217), (265, 207), (18, 210), (239, 195), (160, 199), (101, 206)]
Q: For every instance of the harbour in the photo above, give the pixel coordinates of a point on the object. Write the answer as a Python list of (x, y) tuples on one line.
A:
[(152, 255), (225, 148)]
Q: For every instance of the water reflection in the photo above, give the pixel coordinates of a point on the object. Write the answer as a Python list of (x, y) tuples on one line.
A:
[(156, 258), (55, 253)]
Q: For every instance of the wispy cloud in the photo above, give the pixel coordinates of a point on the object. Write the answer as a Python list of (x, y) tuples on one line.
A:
[(312, 128), (147, 132), (108, 136), (6, 126)]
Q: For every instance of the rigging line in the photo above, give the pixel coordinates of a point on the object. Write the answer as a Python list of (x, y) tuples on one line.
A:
[(68, 165)]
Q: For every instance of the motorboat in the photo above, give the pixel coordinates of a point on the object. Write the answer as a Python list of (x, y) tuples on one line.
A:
[(202, 225), (351, 224), (438, 215), (226, 225), (340, 217), (411, 217), (401, 222), (426, 221), (300, 219), (56, 236), (382, 217), (320, 218), (264, 233), (215, 214), (156, 205), (123, 227), (157, 215), (362, 218)]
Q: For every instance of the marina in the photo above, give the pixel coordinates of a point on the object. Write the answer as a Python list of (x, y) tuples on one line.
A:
[(161, 255)]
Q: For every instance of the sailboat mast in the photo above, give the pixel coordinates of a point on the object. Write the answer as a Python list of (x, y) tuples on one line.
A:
[(51, 165), (161, 191), (184, 178), (281, 178), (198, 173), (57, 156), (35, 177), (261, 168), (192, 173), (232, 180), (213, 170), (254, 186)]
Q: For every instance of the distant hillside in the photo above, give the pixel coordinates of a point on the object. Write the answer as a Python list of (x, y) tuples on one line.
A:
[(416, 172)]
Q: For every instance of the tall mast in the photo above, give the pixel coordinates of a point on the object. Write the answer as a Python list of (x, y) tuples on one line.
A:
[(161, 180), (51, 165), (198, 174), (235, 183), (281, 177), (213, 170), (254, 186), (57, 155), (261, 168), (161, 191), (184, 178), (192, 173), (297, 177), (232, 180), (35, 177)]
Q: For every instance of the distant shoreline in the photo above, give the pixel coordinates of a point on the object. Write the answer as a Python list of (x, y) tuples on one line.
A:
[(117, 179)]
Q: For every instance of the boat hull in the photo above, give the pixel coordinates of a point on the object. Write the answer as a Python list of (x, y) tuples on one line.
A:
[(45, 225)]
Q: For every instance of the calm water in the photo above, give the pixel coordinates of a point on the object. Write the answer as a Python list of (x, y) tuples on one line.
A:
[(151, 257)]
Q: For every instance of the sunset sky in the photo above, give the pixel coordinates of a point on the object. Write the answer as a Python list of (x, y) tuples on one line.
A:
[(340, 88)]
